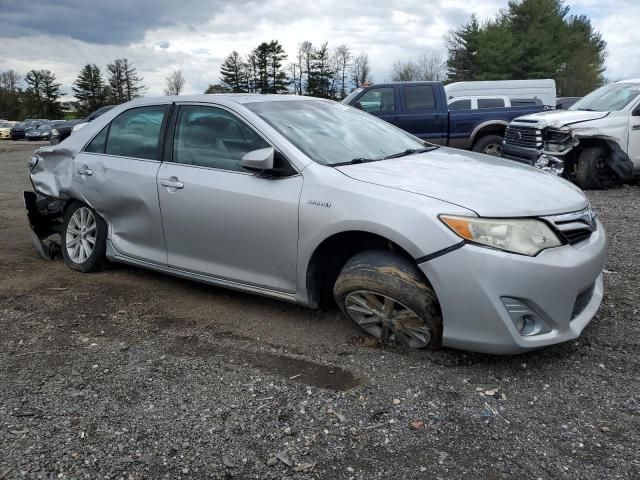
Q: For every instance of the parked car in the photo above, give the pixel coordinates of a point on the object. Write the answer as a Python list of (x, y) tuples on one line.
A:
[(543, 90), (63, 130), (420, 108), (18, 131), (595, 143), (41, 132), (5, 129), (563, 103), (304, 199)]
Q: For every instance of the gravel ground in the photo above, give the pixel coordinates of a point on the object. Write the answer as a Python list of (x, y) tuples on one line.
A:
[(131, 374)]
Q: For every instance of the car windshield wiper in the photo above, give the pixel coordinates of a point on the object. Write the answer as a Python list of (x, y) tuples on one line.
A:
[(409, 151), (354, 161)]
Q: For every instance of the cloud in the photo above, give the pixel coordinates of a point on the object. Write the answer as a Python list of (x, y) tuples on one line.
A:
[(195, 35)]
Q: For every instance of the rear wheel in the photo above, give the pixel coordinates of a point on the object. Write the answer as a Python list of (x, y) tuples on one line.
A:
[(489, 145), (387, 296), (84, 238), (592, 172)]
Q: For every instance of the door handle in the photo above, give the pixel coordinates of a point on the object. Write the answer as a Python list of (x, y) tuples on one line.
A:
[(84, 171), (171, 182), (635, 127)]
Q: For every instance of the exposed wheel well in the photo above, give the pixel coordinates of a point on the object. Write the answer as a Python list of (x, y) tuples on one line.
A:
[(331, 255)]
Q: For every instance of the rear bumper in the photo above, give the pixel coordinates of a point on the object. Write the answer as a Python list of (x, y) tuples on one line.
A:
[(470, 283), (45, 220)]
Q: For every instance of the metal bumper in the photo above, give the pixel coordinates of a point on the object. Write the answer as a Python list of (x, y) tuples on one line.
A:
[(520, 154), (471, 281)]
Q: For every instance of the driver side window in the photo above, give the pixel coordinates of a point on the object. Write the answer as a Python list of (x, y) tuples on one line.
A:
[(213, 138)]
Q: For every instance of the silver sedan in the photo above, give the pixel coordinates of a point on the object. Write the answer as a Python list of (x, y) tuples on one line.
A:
[(311, 201)]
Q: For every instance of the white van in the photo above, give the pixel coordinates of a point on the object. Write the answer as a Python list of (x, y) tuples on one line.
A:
[(544, 90)]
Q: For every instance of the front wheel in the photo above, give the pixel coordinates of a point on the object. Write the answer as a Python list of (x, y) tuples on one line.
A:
[(592, 172), (84, 238), (489, 145), (387, 296)]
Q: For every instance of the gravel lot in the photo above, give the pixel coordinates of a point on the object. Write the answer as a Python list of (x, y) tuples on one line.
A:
[(132, 374)]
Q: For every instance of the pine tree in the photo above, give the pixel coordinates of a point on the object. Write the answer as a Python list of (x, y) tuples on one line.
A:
[(463, 47), (232, 73), (278, 81), (124, 82), (321, 73), (90, 89), (42, 94)]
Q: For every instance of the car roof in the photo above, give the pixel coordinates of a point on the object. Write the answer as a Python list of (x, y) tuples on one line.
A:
[(223, 98), (631, 80)]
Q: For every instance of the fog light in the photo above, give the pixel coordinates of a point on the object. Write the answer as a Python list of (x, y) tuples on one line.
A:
[(526, 321)]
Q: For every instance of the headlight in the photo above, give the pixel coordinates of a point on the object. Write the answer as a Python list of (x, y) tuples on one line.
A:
[(524, 236)]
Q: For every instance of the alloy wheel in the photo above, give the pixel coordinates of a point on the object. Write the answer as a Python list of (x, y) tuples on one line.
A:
[(387, 319), (81, 235), (494, 149)]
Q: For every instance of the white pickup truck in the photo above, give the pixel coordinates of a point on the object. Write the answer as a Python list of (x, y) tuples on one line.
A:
[(595, 143)]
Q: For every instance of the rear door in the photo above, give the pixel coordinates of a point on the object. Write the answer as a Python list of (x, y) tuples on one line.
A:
[(381, 102), (116, 175), (219, 219), (422, 113)]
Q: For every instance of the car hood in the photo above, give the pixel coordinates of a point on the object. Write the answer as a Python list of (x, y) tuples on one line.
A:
[(560, 118), (490, 186)]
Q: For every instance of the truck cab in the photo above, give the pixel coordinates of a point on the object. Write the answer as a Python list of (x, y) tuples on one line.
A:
[(421, 108)]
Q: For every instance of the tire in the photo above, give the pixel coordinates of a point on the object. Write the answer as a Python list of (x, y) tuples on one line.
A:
[(75, 255), (402, 306), (489, 145), (592, 172)]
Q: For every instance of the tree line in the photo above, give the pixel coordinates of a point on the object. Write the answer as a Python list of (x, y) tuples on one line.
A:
[(38, 93), (315, 70)]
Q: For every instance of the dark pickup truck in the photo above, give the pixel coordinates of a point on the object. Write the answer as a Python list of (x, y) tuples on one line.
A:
[(421, 108)]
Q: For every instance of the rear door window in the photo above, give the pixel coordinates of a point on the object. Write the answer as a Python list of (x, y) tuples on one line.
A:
[(136, 133), (464, 104), (419, 98)]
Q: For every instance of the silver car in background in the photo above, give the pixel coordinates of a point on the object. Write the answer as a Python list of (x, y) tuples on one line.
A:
[(309, 201)]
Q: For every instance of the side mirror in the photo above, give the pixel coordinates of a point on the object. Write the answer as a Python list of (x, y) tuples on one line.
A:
[(259, 160)]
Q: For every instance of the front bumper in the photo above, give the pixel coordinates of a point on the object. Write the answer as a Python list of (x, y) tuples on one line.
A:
[(520, 154), (471, 280)]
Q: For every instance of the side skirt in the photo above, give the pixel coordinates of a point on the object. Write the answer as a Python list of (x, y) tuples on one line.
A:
[(114, 255)]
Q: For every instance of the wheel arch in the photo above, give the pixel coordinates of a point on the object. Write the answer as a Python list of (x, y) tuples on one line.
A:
[(490, 127), (331, 253)]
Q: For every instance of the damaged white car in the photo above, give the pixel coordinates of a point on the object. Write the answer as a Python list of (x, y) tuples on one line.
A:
[(596, 143)]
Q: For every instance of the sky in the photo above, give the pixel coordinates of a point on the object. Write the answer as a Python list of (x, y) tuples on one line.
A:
[(195, 36)]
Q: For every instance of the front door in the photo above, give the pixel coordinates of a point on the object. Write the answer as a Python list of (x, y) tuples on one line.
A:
[(381, 102), (116, 175), (219, 219)]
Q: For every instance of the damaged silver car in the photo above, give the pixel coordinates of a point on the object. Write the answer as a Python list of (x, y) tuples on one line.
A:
[(311, 201), (596, 143)]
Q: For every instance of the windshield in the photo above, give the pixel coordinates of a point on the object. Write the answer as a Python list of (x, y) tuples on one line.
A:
[(5, 124), (610, 98), (330, 133), (44, 126), (347, 100)]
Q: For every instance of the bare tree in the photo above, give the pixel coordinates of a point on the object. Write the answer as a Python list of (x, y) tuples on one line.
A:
[(361, 70), (175, 83), (432, 66), (342, 58), (429, 66), (404, 71)]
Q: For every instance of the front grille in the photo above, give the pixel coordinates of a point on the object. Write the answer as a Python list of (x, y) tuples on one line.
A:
[(574, 227), (582, 300), (526, 137)]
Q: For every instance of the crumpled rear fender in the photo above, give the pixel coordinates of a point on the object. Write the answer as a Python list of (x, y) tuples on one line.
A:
[(52, 172)]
